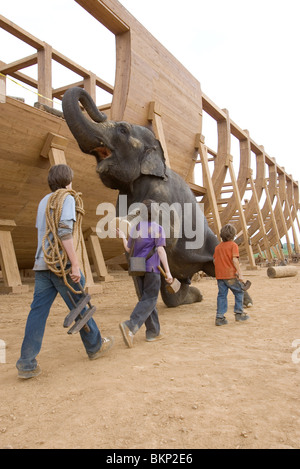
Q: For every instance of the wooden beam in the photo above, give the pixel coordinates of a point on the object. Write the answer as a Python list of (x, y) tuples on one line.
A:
[(45, 74), (260, 220), (24, 79), (89, 84), (296, 242), (209, 186), (74, 67), (2, 89), (54, 148), (8, 69), (91, 236), (105, 15), (273, 220), (237, 196), (283, 223), (8, 260), (18, 32)]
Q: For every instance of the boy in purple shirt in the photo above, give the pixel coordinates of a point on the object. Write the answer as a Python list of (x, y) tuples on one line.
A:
[(151, 236)]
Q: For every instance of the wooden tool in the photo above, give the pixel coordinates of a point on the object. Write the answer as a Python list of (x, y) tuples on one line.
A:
[(78, 315), (174, 287), (245, 285)]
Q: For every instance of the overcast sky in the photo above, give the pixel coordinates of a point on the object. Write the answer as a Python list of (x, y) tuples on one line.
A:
[(245, 54)]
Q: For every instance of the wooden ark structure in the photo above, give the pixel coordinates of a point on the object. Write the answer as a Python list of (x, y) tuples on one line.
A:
[(151, 86)]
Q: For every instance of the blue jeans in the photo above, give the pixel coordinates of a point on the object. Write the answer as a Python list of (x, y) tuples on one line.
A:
[(222, 304), (145, 312), (47, 285)]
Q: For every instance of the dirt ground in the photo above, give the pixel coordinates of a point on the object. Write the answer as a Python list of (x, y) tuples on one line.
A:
[(202, 386)]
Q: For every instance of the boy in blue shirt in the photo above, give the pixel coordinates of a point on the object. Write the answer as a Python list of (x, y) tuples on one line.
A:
[(48, 284)]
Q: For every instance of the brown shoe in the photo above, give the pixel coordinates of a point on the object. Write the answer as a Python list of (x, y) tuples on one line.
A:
[(107, 343), (27, 374), (154, 338), (127, 334)]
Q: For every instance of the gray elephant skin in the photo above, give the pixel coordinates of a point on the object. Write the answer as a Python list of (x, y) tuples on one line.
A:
[(131, 160)]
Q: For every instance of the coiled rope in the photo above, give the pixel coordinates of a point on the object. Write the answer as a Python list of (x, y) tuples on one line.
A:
[(55, 254)]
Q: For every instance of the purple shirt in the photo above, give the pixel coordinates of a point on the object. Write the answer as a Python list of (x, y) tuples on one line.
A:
[(151, 235)]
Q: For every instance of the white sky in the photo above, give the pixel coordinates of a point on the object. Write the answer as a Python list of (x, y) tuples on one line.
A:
[(245, 54)]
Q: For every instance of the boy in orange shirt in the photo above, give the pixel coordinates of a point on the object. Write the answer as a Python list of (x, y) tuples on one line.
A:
[(229, 276)]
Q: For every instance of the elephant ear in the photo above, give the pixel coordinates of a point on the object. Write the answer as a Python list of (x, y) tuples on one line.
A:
[(153, 162)]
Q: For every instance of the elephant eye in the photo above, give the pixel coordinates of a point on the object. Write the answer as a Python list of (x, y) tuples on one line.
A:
[(123, 130)]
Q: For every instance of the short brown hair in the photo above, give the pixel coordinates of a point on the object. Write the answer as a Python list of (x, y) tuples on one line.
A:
[(228, 232), (59, 176)]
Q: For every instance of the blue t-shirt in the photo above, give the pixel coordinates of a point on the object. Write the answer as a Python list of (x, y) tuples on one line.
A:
[(68, 215), (150, 235)]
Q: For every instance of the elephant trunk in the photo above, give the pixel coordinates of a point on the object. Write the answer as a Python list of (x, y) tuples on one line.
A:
[(82, 128)]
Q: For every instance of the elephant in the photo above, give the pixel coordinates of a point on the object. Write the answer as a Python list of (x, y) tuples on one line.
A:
[(131, 160)]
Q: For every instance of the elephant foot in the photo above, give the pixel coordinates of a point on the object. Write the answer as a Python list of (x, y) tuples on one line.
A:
[(193, 296), (185, 296)]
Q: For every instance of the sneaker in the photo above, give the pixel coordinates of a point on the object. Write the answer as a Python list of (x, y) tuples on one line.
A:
[(154, 338), (27, 374), (221, 321), (240, 317), (127, 334), (107, 343)]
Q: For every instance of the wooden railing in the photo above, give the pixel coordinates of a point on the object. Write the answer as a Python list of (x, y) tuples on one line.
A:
[(43, 59)]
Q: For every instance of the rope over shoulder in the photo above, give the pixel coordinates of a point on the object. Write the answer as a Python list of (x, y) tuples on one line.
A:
[(55, 254)]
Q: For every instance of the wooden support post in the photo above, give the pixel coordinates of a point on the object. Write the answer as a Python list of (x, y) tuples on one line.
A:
[(281, 214), (90, 286), (263, 254), (2, 89), (298, 223), (8, 260), (89, 84), (237, 196), (296, 242), (209, 185), (45, 75), (273, 219), (154, 116), (54, 149), (260, 218), (91, 236)]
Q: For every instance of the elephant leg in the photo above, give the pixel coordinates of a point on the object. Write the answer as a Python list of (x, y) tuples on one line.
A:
[(186, 295)]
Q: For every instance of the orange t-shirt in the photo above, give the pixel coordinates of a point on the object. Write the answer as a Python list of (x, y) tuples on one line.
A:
[(223, 257)]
